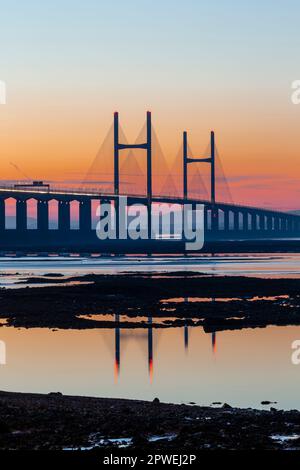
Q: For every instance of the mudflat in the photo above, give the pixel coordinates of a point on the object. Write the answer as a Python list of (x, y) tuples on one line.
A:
[(171, 299)]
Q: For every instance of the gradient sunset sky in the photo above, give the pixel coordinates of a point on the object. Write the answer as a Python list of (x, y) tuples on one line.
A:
[(198, 65)]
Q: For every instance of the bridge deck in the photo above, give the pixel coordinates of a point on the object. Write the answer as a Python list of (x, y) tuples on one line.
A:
[(81, 194)]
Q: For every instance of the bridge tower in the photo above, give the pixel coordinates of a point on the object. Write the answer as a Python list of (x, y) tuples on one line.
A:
[(145, 146), (210, 160)]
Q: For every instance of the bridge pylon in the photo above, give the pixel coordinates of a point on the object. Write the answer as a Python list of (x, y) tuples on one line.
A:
[(145, 146), (210, 160)]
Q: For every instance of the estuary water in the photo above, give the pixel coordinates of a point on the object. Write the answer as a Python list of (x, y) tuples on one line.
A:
[(13, 269), (181, 365)]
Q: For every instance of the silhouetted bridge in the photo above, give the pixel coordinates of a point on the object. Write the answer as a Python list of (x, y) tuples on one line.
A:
[(223, 222)]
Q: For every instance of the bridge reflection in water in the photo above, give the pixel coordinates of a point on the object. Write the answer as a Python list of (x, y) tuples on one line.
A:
[(149, 339)]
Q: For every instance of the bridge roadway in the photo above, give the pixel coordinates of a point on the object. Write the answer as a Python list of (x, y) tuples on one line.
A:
[(223, 223)]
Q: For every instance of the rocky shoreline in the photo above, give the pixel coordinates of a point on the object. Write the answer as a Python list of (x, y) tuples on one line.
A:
[(57, 422)]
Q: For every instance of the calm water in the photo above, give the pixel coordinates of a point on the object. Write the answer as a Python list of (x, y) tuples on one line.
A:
[(241, 367), (262, 265)]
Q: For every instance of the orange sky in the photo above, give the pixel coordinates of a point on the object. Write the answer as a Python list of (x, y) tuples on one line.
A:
[(196, 66), (257, 143)]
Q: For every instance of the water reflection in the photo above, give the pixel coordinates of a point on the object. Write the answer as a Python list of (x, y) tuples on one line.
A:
[(186, 331), (186, 337), (186, 326), (150, 343), (150, 349), (118, 347), (214, 342), (252, 364)]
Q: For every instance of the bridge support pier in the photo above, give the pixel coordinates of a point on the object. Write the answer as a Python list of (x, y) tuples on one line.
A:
[(236, 225), (42, 215), (261, 222), (214, 219), (254, 226), (64, 222), (205, 218), (245, 222), (269, 223), (226, 220), (21, 215), (85, 216)]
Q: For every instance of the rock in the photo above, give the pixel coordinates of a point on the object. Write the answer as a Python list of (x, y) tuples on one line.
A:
[(156, 400), (55, 394), (226, 406)]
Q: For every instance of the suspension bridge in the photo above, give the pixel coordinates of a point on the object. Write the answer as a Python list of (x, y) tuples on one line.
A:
[(65, 217)]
